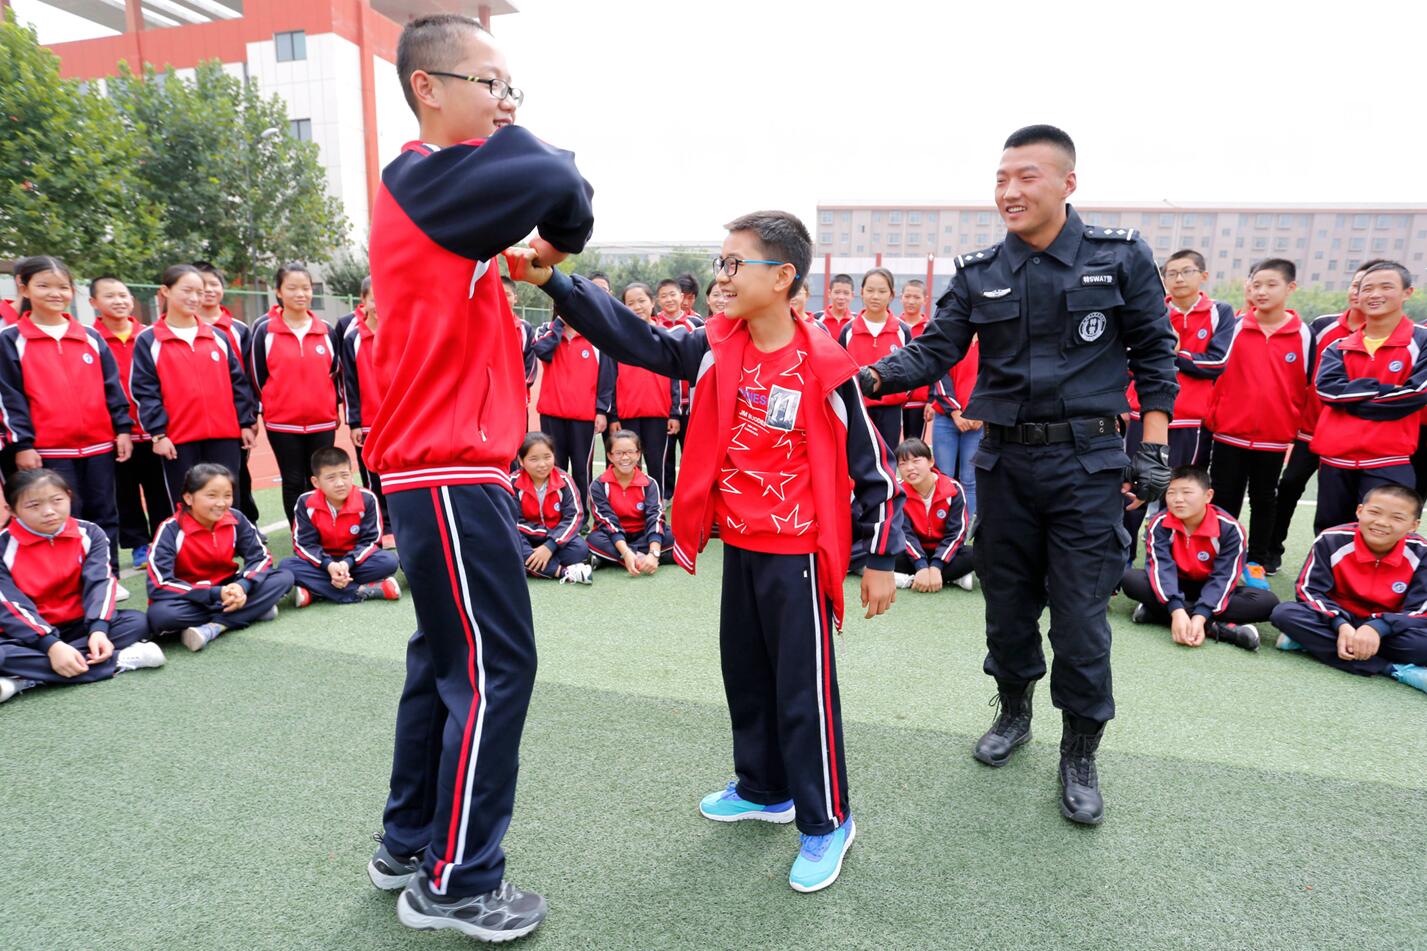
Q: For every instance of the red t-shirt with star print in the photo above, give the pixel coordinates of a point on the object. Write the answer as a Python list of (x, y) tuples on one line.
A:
[(765, 496)]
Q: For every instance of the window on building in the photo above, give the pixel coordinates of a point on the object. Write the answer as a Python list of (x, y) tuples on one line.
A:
[(914, 217), (1301, 243), (1379, 244), (1360, 221), (1384, 221), (1243, 221), (1353, 263), (1226, 232), (1285, 221), (1332, 264), (1322, 232), (876, 237), (946, 249), (983, 217), (1317, 255), (1188, 221), (1238, 264), (914, 237), (825, 218), (290, 46), (1219, 276), (861, 249), (843, 238), (1399, 244), (894, 217), (1224, 253), (1162, 242), (1280, 244), (847, 216), (1337, 244), (1260, 244), (861, 229), (1316, 278), (949, 229), (300, 129), (825, 237), (1166, 221), (894, 239), (876, 216), (1263, 221), (1356, 244), (983, 238)]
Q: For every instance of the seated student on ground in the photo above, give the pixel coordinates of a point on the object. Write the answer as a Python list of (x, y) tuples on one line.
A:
[(1362, 595), (1194, 556), (629, 512), (58, 622), (194, 583), (550, 515), (936, 551), (337, 534)]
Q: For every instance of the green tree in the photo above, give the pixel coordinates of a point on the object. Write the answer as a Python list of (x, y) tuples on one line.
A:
[(344, 275), (237, 188), (70, 181)]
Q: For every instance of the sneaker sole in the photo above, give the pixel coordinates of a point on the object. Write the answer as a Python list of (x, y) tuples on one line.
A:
[(388, 883), (1080, 820), (192, 640), (997, 763), (781, 818), (412, 918), (809, 889)]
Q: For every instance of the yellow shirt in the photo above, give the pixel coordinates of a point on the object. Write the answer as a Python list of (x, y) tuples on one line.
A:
[(1372, 343)]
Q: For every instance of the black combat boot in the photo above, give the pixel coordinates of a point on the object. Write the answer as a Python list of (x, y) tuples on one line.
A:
[(1240, 635), (1012, 727), (1080, 799)]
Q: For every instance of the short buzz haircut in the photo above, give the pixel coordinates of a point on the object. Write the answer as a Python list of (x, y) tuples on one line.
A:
[(1402, 272), (1043, 135), (212, 270), (95, 282), (915, 282), (431, 42), (1282, 265), (1398, 492), (1188, 254), (330, 457), (783, 237), (1196, 474), (688, 284), (840, 279), (668, 282), (506, 282)]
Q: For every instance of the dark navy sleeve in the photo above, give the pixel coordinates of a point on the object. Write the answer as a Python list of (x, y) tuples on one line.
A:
[(1413, 615), (605, 385), (653, 513), (14, 404), (547, 339), (1228, 566), (351, 384), (527, 351), (913, 546), (478, 200), (1148, 334), (939, 348), (1160, 566), (1316, 583), (572, 516), (249, 547), (876, 496), (306, 539), (1210, 364), (615, 328), (144, 385), (958, 525), (369, 531), (101, 588), (603, 512)]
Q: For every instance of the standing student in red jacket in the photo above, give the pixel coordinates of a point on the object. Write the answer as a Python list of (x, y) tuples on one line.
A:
[(60, 397), (193, 396), (838, 312), (783, 457), (576, 391), (139, 487), (1302, 462), (550, 515), (1257, 405), (194, 583), (935, 524), (1373, 385), (359, 386), (645, 402), (58, 621), (337, 534), (917, 412), (869, 337), (448, 373), (292, 358), (629, 512), (215, 314)]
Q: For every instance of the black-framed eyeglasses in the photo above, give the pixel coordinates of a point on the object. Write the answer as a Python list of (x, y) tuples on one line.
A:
[(499, 88), (732, 264)]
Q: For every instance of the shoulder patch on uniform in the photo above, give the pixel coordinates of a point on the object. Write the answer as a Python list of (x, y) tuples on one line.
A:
[(977, 257), (1111, 234)]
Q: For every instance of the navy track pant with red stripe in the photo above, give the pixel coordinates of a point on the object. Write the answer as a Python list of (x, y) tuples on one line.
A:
[(470, 668), (775, 640)]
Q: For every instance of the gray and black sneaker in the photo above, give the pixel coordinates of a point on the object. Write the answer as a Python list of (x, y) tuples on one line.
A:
[(502, 915), (391, 872)]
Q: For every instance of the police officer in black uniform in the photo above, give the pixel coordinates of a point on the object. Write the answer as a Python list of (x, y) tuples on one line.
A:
[(1065, 314)]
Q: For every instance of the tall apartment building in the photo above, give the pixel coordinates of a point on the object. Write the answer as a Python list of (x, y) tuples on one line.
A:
[(1325, 241)]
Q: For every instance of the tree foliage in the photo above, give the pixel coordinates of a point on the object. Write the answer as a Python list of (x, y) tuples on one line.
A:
[(345, 273)]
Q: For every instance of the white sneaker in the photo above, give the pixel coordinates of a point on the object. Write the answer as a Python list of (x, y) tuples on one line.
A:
[(966, 582), (197, 638), (140, 655), (8, 688), (269, 615), (577, 574), (122, 594), (903, 581)]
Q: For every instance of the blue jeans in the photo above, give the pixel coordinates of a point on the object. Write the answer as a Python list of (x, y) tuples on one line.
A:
[(953, 450)]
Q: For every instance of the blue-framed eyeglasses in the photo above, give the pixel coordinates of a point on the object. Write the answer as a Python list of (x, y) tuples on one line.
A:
[(730, 265)]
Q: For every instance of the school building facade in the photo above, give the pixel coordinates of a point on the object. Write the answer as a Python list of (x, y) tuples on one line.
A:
[(332, 61)]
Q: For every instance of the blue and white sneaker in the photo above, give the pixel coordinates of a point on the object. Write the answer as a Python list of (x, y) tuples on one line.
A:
[(819, 860), (141, 557), (1414, 675), (728, 806), (1286, 643)]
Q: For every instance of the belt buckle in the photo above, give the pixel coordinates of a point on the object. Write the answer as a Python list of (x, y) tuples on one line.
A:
[(1034, 434)]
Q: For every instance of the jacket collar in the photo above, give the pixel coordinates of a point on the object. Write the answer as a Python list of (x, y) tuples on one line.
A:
[(189, 524), (1209, 528), (317, 502), (859, 323), (108, 335), (556, 481), (1202, 304), (1400, 336), (32, 331), (24, 536), (831, 364), (276, 323), (1064, 248), (1363, 555), (639, 481), (162, 331), (1289, 326)]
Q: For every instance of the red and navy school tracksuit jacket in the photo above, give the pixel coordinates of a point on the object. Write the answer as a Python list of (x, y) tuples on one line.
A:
[(832, 324), (1211, 556), (322, 534), (1370, 413), (939, 526), (1258, 399), (236, 331), (60, 397), (578, 381), (294, 378), (189, 561), (854, 472), (1327, 330), (866, 348), (123, 351), (449, 357), (1345, 582), (640, 394), (690, 322), (554, 521), (48, 583), (919, 397), (1205, 332), (637, 511), (953, 391), (190, 392), (8, 314), (359, 385), (527, 352)]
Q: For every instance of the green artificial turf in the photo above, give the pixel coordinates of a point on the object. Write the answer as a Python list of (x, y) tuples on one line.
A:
[(227, 800)]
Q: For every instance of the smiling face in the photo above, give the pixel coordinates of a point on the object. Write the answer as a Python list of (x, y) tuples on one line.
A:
[(456, 110), (539, 461), (716, 299), (756, 288), (211, 502), (49, 293), (185, 296), (112, 299), (295, 292), (1385, 520), (43, 508), (623, 456), (1032, 185), (212, 291), (671, 301), (637, 300), (1381, 294)]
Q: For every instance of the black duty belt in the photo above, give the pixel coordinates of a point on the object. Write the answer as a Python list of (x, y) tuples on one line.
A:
[(1044, 434)]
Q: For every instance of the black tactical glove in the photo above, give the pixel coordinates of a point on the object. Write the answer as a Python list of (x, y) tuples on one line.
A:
[(867, 382), (1149, 472)]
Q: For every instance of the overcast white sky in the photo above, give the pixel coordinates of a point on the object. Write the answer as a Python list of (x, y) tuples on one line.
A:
[(685, 114)]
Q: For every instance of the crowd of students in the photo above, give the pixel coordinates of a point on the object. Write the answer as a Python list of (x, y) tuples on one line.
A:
[(145, 432)]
